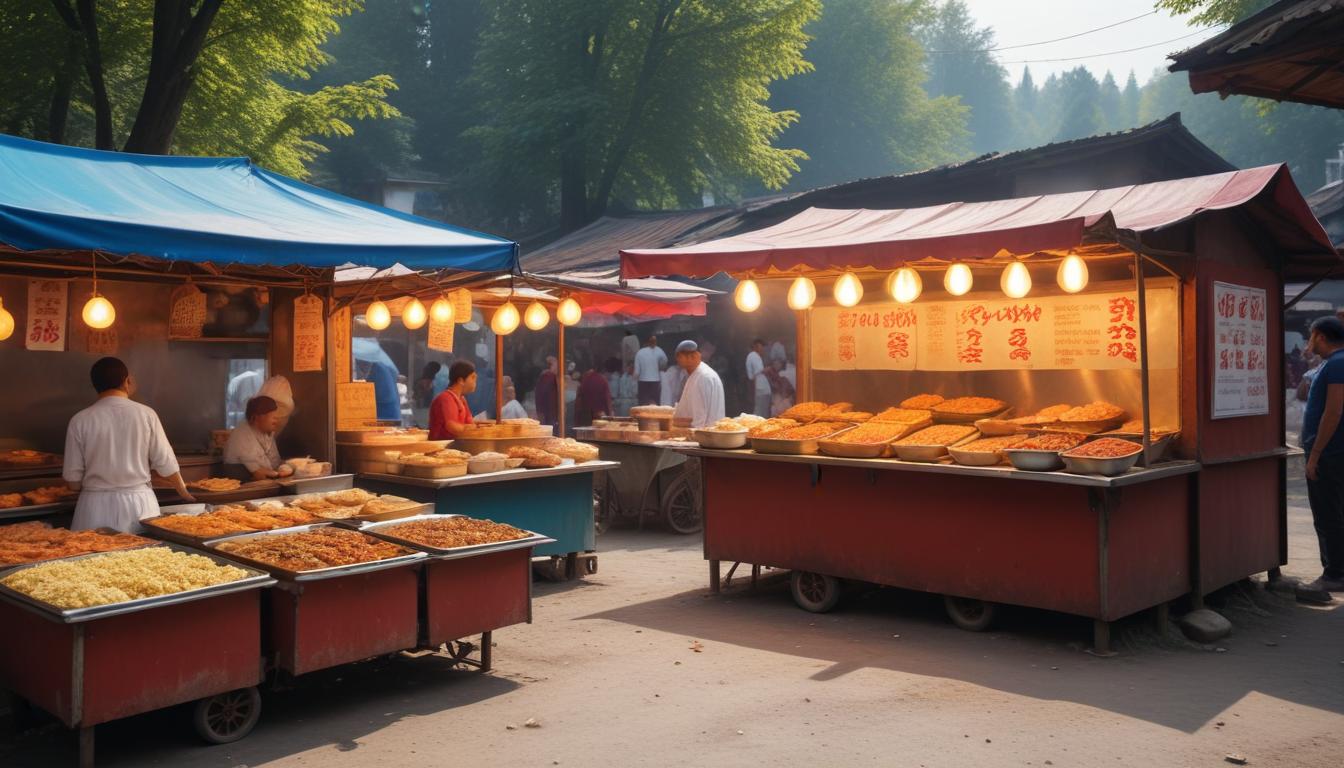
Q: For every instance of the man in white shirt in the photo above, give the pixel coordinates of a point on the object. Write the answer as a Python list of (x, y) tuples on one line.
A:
[(648, 379), (756, 377), (629, 348), (110, 448), (701, 403), (674, 381)]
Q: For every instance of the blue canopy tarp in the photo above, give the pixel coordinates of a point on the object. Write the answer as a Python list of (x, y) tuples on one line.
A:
[(220, 210)]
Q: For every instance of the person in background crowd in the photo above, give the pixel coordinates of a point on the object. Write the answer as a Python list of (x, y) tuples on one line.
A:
[(512, 408), (424, 386), (757, 381), (251, 453), (242, 388), (449, 414), (781, 392), (778, 356), (701, 402), (110, 449), (548, 392), (673, 379), (646, 371), (593, 400), (1323, 441), (626, 393), (629, 348), (483, 399)]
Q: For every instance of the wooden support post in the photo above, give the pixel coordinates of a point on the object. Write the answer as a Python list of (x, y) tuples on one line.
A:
[(1101, 637), (86, 747), (803, 365), (1161, 617), (714, 576), (560, 381), (487, 640), (499, 378)]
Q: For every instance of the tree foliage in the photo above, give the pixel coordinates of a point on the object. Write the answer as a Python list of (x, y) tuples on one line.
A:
[(1208, 12), (960, 66)]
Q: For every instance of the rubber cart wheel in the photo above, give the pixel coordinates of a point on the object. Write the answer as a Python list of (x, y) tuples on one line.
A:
[(227, 717), (969, 614), (815, 592), (681, 507)]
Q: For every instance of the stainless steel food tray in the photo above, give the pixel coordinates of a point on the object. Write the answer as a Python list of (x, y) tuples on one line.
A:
[(255, 579), (793, 447), (316, 574), (105, 531), (454, 553)]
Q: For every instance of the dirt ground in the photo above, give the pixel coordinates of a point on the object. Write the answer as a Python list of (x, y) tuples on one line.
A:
[(639, 666)]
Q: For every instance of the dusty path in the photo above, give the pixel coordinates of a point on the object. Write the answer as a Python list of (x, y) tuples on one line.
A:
[(612, 673)]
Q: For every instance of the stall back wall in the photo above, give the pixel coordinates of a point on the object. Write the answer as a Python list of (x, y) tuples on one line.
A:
[(309, 430), (184, 381)]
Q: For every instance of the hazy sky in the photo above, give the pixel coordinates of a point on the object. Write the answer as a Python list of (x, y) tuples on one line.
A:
[(1017, 22)]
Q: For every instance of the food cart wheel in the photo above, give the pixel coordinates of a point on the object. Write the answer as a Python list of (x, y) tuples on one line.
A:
[(815, 592), (681, 507), (227, 717), (970, 615)]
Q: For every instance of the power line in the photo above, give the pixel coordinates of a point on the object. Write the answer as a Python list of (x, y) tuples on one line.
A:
[(1047, 42), (1112, 53)]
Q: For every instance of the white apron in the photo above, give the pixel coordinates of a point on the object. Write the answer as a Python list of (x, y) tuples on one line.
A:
[(120, 510)]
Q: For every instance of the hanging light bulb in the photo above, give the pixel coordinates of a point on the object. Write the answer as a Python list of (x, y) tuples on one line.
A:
[(747, 296), (377, 316), (441, 311), (1072, 274), (536, 317), (802, 293), (6, 322), (414, 315), (1016, 280), (848, 290), (99, 312), (505, 319), (569, 312), (958, 279), (905, 285)]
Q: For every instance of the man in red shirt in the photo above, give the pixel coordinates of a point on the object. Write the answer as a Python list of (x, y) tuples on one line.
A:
[(449, 414)]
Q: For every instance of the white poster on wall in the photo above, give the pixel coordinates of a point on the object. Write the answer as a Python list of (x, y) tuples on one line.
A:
[(45, 329), (1240, 351)]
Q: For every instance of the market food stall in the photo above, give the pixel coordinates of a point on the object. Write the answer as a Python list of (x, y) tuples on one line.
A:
[(1149, 312)]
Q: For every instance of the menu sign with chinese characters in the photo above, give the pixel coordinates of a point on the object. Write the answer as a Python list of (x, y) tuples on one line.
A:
[(186, 318), (309, 333), (1094, 331), (356, 405), (340, 345), (441, 335), (1240, 351), (45, 329), (102, 342)]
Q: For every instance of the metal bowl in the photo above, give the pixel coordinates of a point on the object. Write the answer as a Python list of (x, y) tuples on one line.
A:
[(924, 453), (975, 458), (711, 438), (1082, 465), (1032, 460)]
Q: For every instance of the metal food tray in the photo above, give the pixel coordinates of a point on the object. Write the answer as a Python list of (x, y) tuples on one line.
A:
[(31, 483), (709, 438), (256, 489), (255, 579), (928, 453), (454, 553), (104, 531), (1033, 459), (793, 447), (968, 418), (316, 574)]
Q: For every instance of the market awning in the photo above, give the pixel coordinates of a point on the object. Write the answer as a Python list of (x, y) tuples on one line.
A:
[(221, 211), (1291, 51), (830, 240)]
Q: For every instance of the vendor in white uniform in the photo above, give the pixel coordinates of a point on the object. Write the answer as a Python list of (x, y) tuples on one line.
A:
[(110, 448), (251, 453), (701, 403)]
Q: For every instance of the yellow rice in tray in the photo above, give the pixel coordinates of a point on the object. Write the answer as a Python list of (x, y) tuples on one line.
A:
[(118, 577)]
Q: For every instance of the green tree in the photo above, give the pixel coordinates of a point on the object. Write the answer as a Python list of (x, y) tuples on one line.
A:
[(960, 65), (1129, 101), (1079, 100), (1215, 11), (651, 102), (1111, 104)]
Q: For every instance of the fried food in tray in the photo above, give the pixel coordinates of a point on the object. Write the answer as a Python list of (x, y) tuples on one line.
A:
[(50, 494), (11, 500), (118, 577), (569, 448), (851, 417), (453, 532), (833, 411), (806, 411), (770, 427), (535, 458), (216, 484), (991, 444), (1105, 448), (311, 550), (230, 519), (872, 433), (902, 416), (33, 541), (1099, 411), (1135, 427), (1052, 441), (23, 457), (814, 431), (921, 402), (941, 434), (970, 406)]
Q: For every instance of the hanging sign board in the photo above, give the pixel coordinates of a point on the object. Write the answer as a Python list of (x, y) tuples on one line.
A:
[(356, 405), (441, 335), (310, 337), (340, 345), (186, 317), (47, 304), (461, 299), (1240, 351), (1094, 331), (102, 342)]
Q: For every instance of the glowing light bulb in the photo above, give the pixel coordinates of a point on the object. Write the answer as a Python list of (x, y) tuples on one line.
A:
[(505, 319), (377, 316), (536, 317), (1072, 274), (958, 279), (6, 322), (848, 290), (99, 313), (414, 315), (747, 296), (905, 285), (569, 312), (802, 293), (1016, 280), (441, 311)]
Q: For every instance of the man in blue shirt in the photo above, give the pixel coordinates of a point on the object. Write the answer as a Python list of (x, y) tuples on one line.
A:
[(1323, 440)]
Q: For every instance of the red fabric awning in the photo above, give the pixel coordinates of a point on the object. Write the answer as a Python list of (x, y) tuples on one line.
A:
[(829, 239)]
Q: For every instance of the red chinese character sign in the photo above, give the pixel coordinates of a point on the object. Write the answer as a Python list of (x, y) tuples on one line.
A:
[(310, 338), (45, 329), (1093, 331), (1240, 351)]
